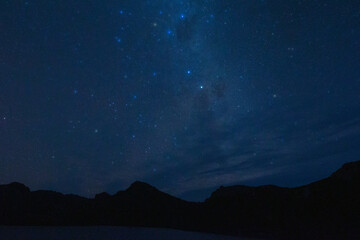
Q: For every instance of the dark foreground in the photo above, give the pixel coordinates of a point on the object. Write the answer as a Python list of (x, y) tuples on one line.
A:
[(327, 209), (103, 233)]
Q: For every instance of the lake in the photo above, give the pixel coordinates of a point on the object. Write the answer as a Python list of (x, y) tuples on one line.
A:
[(100, 233)]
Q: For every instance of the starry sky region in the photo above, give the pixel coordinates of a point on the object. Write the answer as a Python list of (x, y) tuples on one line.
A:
[(184, 95)]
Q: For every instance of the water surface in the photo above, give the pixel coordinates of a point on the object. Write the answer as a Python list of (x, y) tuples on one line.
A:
[(102, 233)]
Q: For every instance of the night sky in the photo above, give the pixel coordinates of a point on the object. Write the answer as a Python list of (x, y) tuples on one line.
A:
[(184, 95)]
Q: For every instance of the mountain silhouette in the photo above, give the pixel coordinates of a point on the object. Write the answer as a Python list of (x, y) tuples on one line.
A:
[(326, 209)]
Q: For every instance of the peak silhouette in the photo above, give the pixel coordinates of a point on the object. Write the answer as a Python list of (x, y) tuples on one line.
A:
[(141, 186), (349, 171), (326, 209), (16, 186)]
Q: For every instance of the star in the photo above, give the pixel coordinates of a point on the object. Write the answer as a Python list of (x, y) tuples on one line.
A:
[(118, 39)]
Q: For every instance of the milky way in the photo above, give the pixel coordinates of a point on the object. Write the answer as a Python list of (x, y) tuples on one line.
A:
[(185, 95)]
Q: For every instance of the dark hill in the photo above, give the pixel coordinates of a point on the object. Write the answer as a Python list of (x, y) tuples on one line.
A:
[(326, 209)]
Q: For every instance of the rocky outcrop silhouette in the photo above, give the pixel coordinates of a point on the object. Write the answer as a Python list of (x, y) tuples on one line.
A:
[(326, 209)]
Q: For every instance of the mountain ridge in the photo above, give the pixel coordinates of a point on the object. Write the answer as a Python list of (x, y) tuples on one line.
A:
[(327, 208)]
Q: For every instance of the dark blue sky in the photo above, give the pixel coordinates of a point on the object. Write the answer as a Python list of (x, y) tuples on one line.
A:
[(185, 95)]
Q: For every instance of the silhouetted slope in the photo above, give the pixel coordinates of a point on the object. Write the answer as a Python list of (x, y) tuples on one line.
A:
[(142, 205), (327, 209)]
